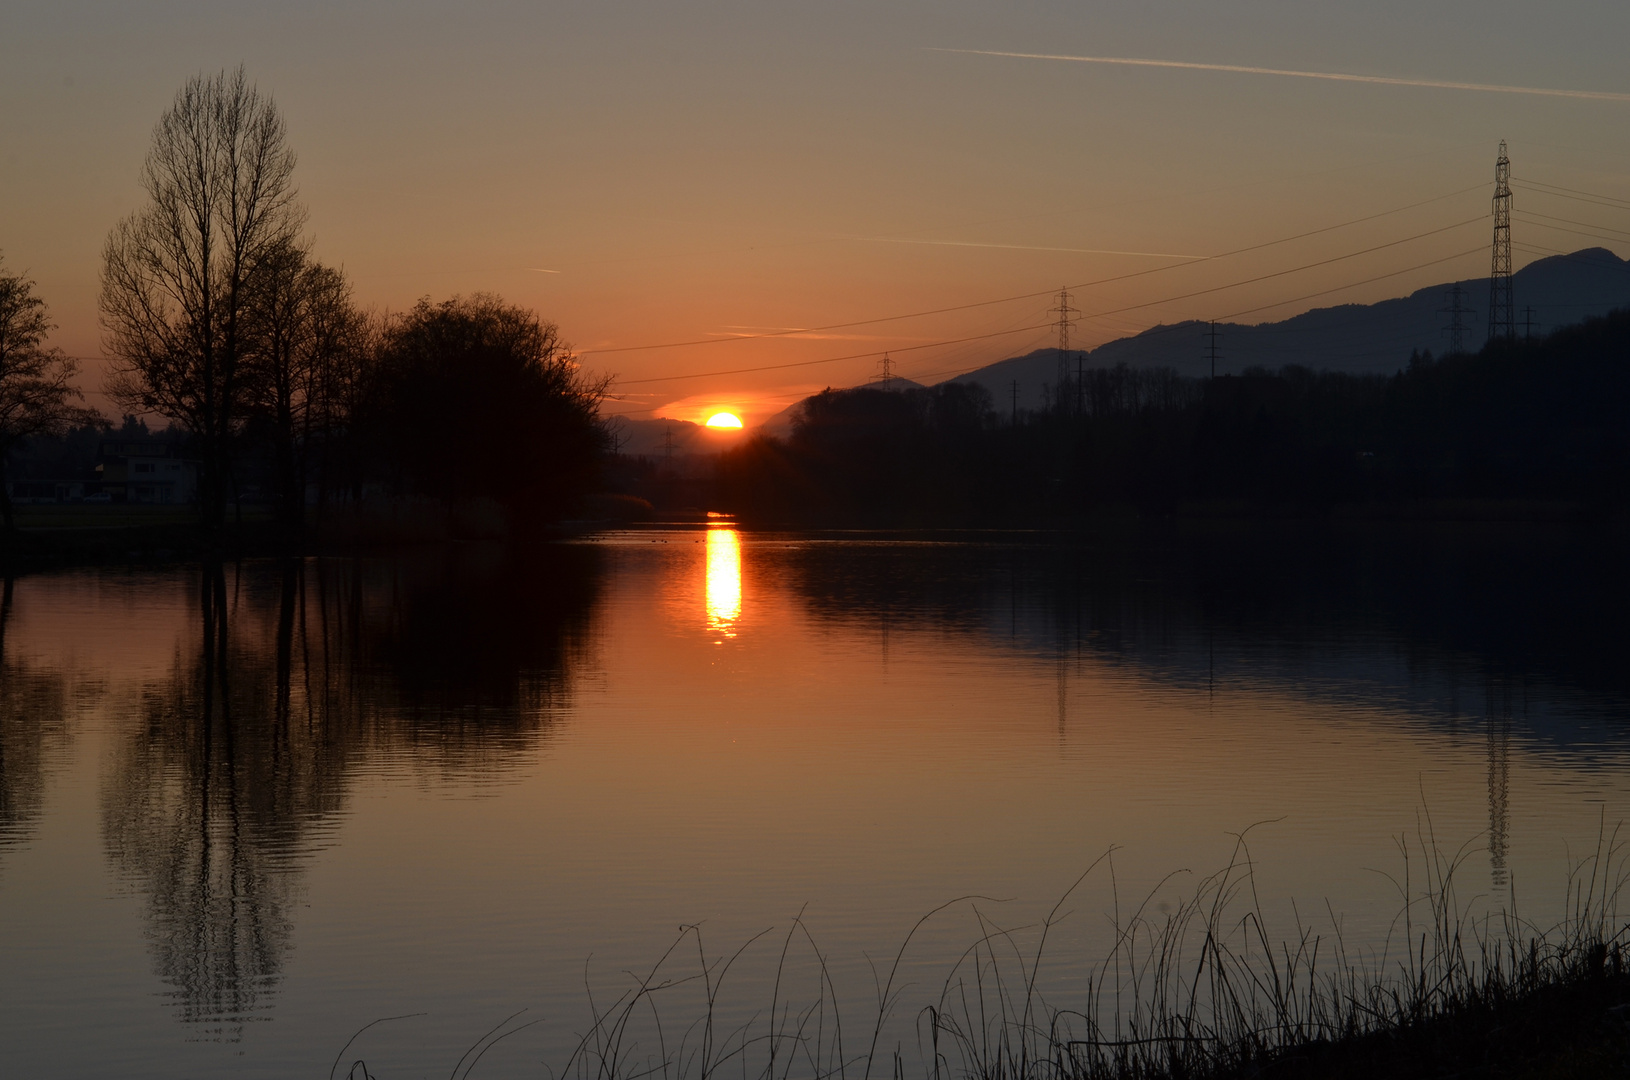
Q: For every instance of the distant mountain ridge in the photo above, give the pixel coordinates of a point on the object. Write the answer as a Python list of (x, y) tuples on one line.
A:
[(1362, 338), (781, 423)]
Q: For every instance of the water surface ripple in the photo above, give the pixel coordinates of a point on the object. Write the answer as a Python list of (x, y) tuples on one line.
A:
[(247, 809)]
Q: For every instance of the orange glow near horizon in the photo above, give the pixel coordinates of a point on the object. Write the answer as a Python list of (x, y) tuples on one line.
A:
[(724, 420), (758, 249), (723, 581)]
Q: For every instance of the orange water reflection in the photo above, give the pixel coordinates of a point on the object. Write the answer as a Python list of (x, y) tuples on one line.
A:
[(723, 581), (894, 723)]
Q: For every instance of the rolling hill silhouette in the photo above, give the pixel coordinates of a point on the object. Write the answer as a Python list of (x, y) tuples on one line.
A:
[(1374, 338)]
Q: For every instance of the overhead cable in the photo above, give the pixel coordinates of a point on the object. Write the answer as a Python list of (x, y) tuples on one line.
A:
[(1115, 311), (1557, 189), (1032, 295)]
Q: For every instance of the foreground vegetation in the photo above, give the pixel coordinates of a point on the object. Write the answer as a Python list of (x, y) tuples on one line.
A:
[(1203, 991)]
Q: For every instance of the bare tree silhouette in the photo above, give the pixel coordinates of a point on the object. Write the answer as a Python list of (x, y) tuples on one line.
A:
[(299, 672), (304, 341), (178, 275)]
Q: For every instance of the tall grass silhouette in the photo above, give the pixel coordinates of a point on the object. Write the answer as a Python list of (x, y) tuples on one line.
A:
[(1203, 989)]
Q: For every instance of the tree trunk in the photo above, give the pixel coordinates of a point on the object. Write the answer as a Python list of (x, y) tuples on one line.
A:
[(211, 486), (291, 500)]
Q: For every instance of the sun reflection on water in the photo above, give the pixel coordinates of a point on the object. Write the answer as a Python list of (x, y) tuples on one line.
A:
[(723, 581)]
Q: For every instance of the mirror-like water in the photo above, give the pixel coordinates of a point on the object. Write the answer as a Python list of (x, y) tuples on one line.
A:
[(246, 811)]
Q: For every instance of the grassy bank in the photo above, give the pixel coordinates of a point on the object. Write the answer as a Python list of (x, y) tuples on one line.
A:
[(1573, 1025), (1202, 990)]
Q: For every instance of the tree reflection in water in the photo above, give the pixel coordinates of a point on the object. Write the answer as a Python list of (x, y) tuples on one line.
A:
[(1528, 622), (1293, 605), (33, 731), (300, 673)]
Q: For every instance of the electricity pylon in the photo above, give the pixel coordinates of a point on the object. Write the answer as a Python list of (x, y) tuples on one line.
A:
[(1454, 307), (1064, 312), (1502, 307)]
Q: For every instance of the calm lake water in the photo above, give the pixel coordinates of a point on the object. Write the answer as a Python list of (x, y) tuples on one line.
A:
[(245, 813)]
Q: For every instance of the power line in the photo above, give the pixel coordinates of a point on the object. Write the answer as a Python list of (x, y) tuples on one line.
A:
[(1611, 205), (1557, 189), (1297, 269), (1024, 349), (1579, 232), (1570, 221), (1617, 266), (1265, 307), (1355, 284), (1530, 246), (832, 359), (1323, 292), (1116, 311), (1031, 295), (1050, 324), (1047, 327)]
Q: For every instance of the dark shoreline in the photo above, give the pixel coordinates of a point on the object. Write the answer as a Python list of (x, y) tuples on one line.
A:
[(1577, 1029), (90, 542)]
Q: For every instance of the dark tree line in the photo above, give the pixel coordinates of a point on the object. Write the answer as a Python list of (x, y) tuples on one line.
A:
[(1543, 420), (220, 319), (37, 397), (475, 398), (867, 452)]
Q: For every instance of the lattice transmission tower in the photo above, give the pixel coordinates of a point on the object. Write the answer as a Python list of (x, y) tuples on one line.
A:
[(886, 374), (1502, 305), (1454, 306), (1064, 312)]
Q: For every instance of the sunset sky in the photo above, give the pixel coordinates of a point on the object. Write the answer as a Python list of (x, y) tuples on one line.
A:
[(645, 174)]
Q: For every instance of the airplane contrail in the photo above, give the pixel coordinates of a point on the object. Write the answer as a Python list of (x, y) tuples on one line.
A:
[(541, 270), (1332, 76)]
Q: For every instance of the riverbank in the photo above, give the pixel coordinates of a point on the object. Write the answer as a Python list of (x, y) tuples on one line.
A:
[(53, 536), (1542, 1010), (1577, 1029), (1202, 989), (58, 535)]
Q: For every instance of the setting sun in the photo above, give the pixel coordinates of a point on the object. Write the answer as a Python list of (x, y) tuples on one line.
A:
[(724, 420)]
